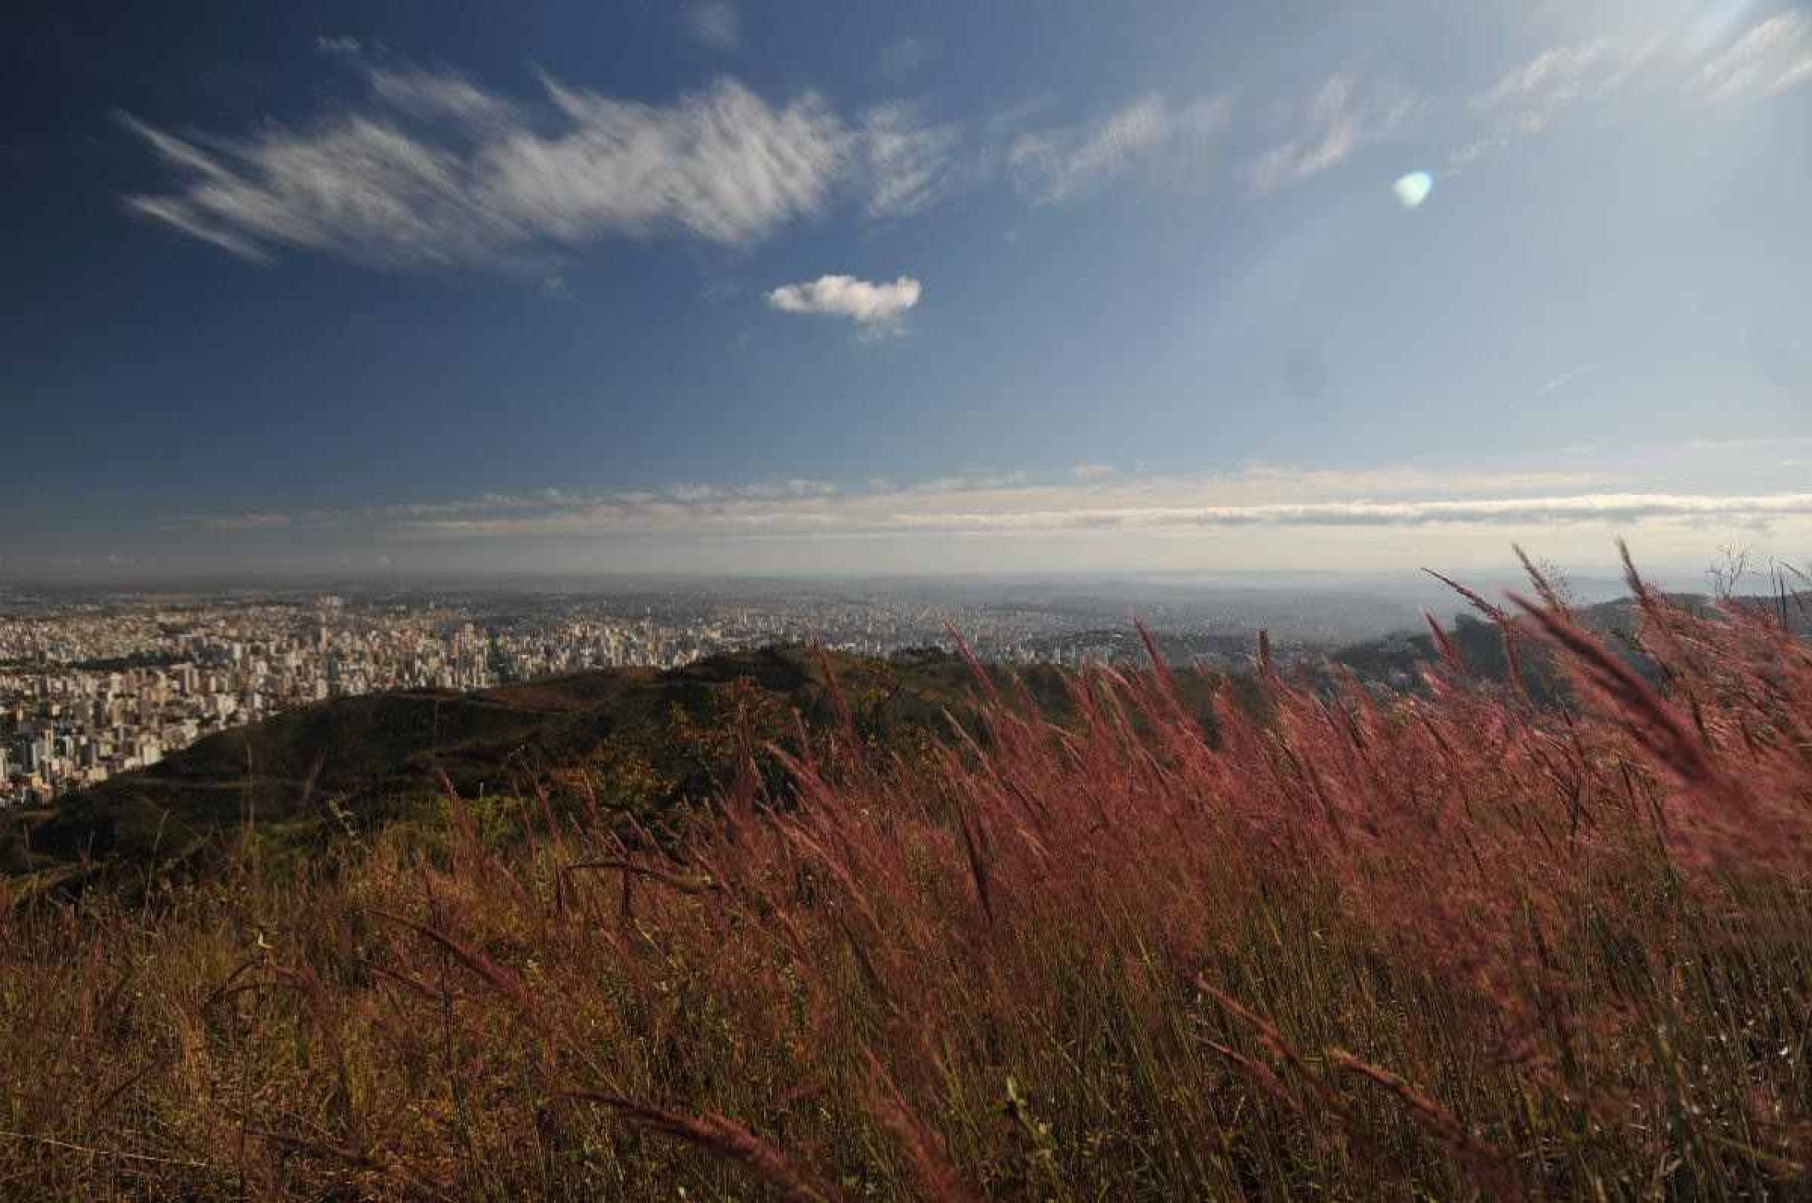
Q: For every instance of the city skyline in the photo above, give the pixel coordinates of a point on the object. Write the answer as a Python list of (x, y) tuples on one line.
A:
[(719, 288), (95, 686)]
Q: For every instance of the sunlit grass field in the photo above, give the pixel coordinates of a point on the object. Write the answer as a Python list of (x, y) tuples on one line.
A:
[(1444, 943)]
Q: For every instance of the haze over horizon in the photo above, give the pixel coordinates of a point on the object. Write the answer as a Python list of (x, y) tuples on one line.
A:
[(787, 289)]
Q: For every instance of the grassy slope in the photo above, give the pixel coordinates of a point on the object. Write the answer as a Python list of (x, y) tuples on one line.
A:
[(1435, 945)]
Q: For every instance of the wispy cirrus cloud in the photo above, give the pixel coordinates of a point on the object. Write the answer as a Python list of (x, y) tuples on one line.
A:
[(432, 168), (1531, 95), (1771, 57), (911, 165), (873, 306), (1152, 136), (1343, 115), (437, 170), (446, 95), (1325, 122), (1664, 65)]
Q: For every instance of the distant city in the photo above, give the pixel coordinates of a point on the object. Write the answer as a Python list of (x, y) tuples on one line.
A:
[(96, 685)]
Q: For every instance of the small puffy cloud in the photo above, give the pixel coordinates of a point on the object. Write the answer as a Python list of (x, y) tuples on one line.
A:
[(874, 306), (1092, 473), (337, 45), (715, 23)]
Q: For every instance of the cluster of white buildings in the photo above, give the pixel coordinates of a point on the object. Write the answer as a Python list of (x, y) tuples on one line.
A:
[(93, 691), (88, 690)]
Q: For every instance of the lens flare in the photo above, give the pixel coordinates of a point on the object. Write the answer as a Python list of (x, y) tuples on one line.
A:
[(1413, 188)]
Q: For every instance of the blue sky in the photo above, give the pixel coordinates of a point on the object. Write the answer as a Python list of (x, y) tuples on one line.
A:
[(848, 288)]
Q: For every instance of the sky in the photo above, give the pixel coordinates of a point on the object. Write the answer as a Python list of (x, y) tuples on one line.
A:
[(789, 288)]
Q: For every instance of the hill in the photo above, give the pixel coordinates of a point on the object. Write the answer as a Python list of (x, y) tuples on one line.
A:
[(1432, 944), (645, 740)]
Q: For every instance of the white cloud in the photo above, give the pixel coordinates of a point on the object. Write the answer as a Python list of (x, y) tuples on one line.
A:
[(1557, 75), (910, 165), (871, 305), (445, 95), (1591, 507), (174, 213), (437, 170), (1057, 164), (724, 165), (1096, 496), (327, 44), (804, 507), (1530, 96), (715, 23), (252, 521), (1258, 516), (1339, 119), (1799, 73), (1670, 65), (1769, 58)]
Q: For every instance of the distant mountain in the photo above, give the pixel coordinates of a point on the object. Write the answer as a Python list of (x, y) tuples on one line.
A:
[(1398, 659)]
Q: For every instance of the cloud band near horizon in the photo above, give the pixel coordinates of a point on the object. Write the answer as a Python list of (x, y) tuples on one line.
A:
[(1095, 499)]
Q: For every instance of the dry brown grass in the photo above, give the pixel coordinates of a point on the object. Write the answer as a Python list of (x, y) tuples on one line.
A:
[(1449, 944)]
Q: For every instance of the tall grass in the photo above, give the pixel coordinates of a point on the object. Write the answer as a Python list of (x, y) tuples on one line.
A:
[(1441, 944)]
